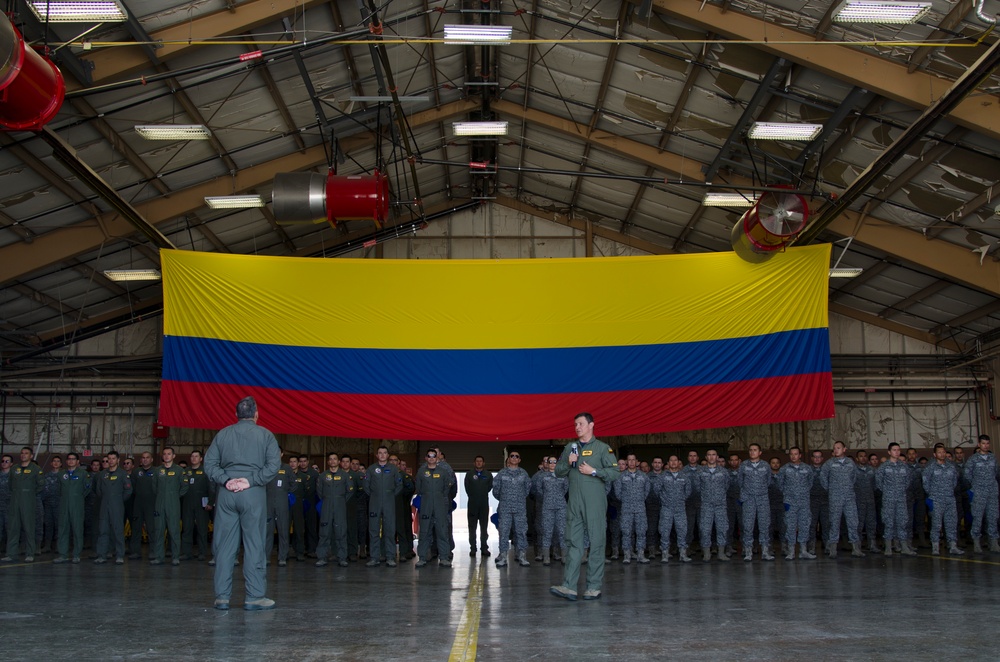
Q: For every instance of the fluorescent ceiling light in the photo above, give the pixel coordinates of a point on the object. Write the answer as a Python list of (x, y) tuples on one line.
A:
[(479, 128), (133, 274), (871, 11), (728, 200), (388, 99), (173, 131), (477, 34), (104, 11), (234, 201), (783, 131), (845, 272)]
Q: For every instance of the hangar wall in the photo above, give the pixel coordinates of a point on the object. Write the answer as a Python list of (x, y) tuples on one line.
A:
[(888, 387)]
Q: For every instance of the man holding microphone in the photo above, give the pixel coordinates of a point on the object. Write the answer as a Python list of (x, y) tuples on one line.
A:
[(590, 464)]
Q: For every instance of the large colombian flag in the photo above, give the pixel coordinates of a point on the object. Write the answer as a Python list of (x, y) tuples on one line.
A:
[(486, 350)]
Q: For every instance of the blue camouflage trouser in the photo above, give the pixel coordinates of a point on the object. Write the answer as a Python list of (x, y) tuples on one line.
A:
[(944, 509), (675, 518), (518, 519), (553, 527), (798, 522), (984, 506), (867, 521), (895, 519), (718, 516), (759, 508), (633, 523), (846, 507)]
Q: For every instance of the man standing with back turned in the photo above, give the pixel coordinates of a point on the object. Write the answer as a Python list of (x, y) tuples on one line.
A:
[(590, 464), (242, 460)]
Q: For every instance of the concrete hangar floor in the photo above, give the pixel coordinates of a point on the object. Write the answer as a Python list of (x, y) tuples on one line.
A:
[(922, 608)]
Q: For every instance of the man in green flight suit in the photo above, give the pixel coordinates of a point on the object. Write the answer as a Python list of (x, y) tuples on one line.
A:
[(74, 486), (590, 464), (434, 489), (144, 485), (242, 459), (26, 483), (278, 511), (335, 488), (382, 483), (171, 485), (113, 487), (196, 506)]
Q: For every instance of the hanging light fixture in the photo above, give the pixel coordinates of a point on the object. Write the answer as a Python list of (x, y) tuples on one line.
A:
[(173, 131), (93, 11)]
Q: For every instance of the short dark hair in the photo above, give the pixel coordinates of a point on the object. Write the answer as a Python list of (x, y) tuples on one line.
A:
[(891, 444), (345, 456), (73, 454), (794, 448), (332, 454), (586, 415), (168, 448), (28, 448), (940, 445), (479, 457), (752, 444), (844, 444), (246, 408), (984, 437), (56, 456), (381, 447), (112, 452)]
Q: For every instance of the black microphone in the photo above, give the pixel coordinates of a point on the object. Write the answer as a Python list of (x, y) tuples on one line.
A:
[(573, 449)]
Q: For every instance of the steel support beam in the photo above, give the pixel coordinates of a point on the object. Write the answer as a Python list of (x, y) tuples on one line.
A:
[(17, 260), (916, 297), (895, 327), (113, 62), (861, 68)]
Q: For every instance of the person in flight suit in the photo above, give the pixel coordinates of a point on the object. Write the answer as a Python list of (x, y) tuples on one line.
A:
[(434, 489), (478, 485), (589, 464), (25, 484), (143, 503), (114, 487), (334, 489), (171, 486), (74, 486), (278, 515), (242, 459), (196, 507), (382, 483)]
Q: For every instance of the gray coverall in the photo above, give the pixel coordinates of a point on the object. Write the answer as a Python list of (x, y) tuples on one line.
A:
[(434, 489), (586, 512), (74, 486), (242, 450), (278, 513), (382, 483), (335, 490), (113, 490)]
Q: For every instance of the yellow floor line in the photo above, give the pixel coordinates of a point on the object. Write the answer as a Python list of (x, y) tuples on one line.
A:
[(957, 558), (467, 637)]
